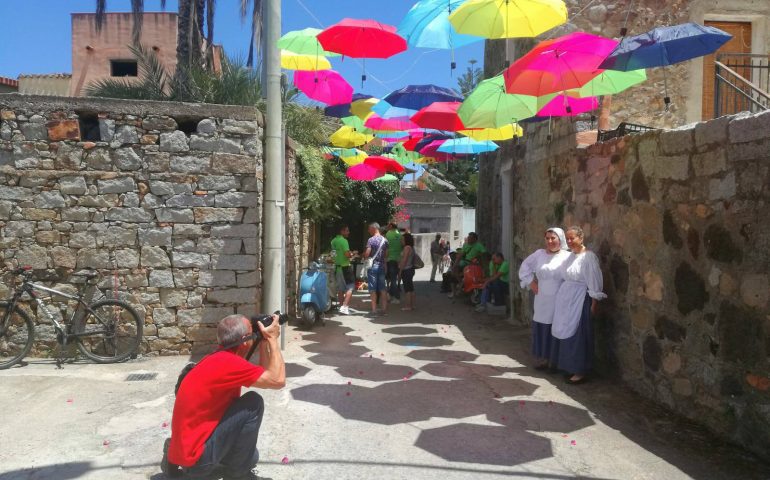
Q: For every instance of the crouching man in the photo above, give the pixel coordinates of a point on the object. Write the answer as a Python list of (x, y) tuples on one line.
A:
[(214, 428)]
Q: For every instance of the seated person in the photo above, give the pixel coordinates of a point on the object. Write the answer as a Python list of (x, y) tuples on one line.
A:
[(496, 285), (470, 251), (214, 428)]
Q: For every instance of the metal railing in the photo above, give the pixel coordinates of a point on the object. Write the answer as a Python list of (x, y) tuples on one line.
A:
[(622, 130), (742, 83)]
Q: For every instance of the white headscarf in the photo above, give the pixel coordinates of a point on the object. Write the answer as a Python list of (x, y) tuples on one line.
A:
[(562, 238)]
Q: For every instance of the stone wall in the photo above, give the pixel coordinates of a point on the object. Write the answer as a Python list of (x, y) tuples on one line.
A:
[(677, 219), (163, 198)]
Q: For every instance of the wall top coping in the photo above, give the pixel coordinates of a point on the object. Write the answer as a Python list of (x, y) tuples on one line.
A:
[(130, 107)]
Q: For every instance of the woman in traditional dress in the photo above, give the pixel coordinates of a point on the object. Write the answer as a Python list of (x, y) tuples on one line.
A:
[(572, 349), (540, 273)]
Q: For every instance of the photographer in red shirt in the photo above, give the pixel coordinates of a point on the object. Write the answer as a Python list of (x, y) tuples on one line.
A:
[(214, 428)]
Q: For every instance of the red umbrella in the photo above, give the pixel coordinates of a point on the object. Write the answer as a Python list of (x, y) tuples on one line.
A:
[(440, 116), (362, 39), (363, 173), (411, 144), (385, 164)]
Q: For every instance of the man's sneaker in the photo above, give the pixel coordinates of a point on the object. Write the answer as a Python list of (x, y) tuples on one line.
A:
[(169, 469), (480, 308), (344, 310)]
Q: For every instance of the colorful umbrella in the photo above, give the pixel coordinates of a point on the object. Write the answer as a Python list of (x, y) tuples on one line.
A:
[(387, 178), (565, 106), (557, 65), (610, 82), (665, 46), (304, 42), (427, 25), (294, 61), (363, 108), (353, 156), (348, 137), (355, 122), (467, 146), (431, 150), (427, 140), (362, 39), (385, 164), (386, 110), (440, 116), (415, 97), (489, 106), (506, 132), (363, 173), (343, 110), (326, 86), (508, 18), (375, 122)]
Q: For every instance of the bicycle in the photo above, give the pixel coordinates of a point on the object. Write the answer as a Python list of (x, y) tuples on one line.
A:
[(101, 328)]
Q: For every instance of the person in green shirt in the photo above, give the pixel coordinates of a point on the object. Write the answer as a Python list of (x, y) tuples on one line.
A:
[(393, 236), (496, 285), (346, 278)]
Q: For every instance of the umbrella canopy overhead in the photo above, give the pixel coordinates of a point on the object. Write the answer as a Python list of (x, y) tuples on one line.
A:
[(387, 178), (467, 146), (362, 39), (665, 46), (304, 42), (506, 132), (564, 63), (294, 61), (348, 137), (490, 106), (363, 173), (440, 116), (431, 150), (508, 18), (375, 122), (344, 110), (385, 164), (355, 122), (415, 97), (565, 106), (610, 82), (326, 86), (353, 156), (427, 25)]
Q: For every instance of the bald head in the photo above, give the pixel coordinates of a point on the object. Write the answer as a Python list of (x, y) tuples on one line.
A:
[(232, 329)]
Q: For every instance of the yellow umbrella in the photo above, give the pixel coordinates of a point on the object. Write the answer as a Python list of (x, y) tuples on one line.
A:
[(363, 108), (354, 157), (508, 18), (348, 137), (294, 61), (506, 132)]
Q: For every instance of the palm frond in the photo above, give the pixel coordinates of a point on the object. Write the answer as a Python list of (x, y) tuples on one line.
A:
[(210, 10), (137, 12), (153, 83), (163, 5), (101, 10), (256, 47)]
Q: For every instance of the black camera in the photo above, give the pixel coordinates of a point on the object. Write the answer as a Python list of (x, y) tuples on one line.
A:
[(266, 320)]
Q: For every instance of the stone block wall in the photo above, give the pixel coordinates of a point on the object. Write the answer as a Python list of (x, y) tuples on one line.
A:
[(678, 219), (164, 199)]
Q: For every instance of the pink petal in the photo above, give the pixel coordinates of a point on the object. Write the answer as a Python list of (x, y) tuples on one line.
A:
[(285, 460), (573, 442), (347, 394), (350, 383), (69, 400), (106, 443), (165, 425)]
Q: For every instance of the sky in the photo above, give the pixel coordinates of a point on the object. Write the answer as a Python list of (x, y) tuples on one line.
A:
[(41, 33)]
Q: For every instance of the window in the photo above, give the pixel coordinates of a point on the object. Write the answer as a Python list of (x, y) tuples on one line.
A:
[(124, 68), (457, 235)]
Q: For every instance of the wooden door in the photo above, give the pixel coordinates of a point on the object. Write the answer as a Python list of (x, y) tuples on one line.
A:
[(740, 43)]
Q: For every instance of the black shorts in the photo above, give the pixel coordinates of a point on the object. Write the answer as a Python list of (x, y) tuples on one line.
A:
[(346, 279)]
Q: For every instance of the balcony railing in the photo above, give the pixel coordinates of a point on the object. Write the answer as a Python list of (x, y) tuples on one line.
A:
[(623, 129), (742, 83)]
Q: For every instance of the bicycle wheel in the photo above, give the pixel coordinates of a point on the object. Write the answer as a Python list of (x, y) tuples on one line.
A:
[(110, 331), (16, 336)]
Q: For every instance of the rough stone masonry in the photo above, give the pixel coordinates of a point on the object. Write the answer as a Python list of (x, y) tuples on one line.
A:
[(163, 199)]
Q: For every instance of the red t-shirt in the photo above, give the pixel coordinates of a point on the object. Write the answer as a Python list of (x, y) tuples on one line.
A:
[(203, 398)]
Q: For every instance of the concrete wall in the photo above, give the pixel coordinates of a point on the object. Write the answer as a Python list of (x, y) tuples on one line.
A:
[(163, 198), (92, 50), (57, 85), (678, 220)]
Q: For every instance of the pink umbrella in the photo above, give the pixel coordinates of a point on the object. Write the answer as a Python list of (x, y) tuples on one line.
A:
[(431, 150), (364, 173), (557, 65), (396, 124), (326, 86), (566, 106), (385, 164)]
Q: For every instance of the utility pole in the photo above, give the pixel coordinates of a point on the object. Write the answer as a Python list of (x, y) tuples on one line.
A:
[(275, 190)]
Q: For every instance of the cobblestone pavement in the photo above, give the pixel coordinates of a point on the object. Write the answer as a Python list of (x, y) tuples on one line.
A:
[(440, 392)]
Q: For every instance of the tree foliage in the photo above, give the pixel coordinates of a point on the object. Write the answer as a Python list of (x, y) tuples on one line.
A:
[(469, 79), (320, 185)]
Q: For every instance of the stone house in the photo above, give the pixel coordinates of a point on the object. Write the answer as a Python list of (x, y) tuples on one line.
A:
[(675, 215)]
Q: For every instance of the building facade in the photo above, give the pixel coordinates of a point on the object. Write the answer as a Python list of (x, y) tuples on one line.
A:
[(53, 84)]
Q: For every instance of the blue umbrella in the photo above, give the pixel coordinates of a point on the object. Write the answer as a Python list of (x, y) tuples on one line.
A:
[(386, 110), (665, 46), (427, 26), (416, 97), (343, 110), (467, 146)]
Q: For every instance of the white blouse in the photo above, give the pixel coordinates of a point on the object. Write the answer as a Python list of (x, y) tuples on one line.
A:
[(546, 267), (581, 275)]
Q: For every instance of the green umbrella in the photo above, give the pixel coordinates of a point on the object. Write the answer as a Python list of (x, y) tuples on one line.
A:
[(402, 155), (610, 82), (304, 42), (387, 178), (355, 122), (490, 106)]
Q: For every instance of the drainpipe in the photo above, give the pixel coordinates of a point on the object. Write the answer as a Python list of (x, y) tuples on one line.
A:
[(275, 205)]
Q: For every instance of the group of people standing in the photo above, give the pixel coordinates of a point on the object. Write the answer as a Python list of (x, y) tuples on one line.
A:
[(567, 282)]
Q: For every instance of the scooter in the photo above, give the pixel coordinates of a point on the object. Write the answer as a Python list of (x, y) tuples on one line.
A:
[(473, 281), (314, 293)]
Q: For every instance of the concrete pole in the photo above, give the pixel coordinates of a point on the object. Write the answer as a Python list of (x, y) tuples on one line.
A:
[(275, 191)]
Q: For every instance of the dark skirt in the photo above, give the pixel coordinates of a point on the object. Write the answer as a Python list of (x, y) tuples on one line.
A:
[(575, 354), (541, 340)]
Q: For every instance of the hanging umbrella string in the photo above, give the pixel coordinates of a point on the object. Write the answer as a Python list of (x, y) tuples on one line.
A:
[(624, 29)]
